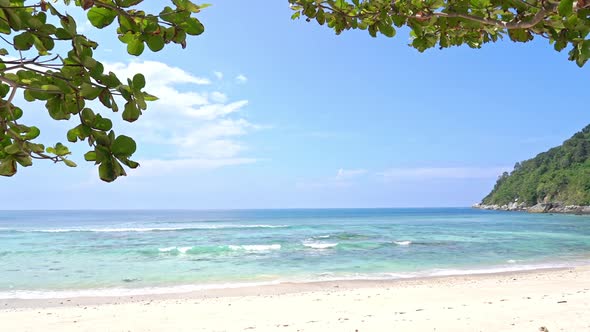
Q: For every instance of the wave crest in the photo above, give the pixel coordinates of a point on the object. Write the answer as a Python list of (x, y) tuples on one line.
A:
[(182, 250), (320, 245), (256, 247)]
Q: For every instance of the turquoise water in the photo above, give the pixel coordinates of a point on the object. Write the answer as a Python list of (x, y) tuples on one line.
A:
[(64, 253)]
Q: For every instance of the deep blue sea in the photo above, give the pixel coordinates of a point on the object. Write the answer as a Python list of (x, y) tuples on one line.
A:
[(86, 253)]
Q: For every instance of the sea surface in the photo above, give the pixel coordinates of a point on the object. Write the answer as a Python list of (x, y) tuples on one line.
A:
[(47, 254)]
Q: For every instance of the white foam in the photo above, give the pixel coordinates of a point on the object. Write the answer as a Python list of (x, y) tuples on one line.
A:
[(115, 292), (403, 243), (327, 276), (320, 245), (182, 250), (496, 269), (256, 247)]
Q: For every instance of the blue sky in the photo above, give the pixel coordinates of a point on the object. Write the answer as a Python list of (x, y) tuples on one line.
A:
[(265, 112)]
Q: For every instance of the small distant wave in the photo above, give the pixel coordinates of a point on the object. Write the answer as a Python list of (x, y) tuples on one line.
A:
[(352, 236), (182, 250), (321, 237), (320, 245), (256, 247), (403, 243), (144, 229)]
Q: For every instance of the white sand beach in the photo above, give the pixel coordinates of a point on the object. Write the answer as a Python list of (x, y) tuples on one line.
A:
[(558, 300)]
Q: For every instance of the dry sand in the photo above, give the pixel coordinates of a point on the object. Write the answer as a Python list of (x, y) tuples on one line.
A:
[(556, 299)]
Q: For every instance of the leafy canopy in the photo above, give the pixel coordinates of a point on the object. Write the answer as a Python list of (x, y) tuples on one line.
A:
[(66, 82), (446, 23)]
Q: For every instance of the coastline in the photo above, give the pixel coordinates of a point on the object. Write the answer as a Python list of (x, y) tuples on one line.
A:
[(506, 301), (537, 208), (49, 297), (272, 288)]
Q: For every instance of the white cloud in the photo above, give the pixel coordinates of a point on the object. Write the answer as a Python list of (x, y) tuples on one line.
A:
[(201, 129), (215, 139), (218, 97), (214, 111), (159, 73), (241, 78), (442, 173), (218, 75)]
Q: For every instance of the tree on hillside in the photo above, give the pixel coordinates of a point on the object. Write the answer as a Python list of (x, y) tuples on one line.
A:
[(446, 23), (66, 81)]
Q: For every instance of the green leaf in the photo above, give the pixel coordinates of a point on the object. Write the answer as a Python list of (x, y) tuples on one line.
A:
[(87, 116), (565, 7), (123, 146), (90, 156), (148, 97), (89, 92), (135, 46), (320, 17), (129, 163), (101, 17), (13, 148), (69, 163), (101, 123), (7, 167), (193, 26), (72, 135), (520, 35), (106, 171), (155, 42), (138, 82), (386, 29), (131, 112), (24, 160), (33, 133), (23, 41), (61, 150)]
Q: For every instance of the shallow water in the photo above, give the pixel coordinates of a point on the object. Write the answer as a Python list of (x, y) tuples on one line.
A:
[(48, 253)]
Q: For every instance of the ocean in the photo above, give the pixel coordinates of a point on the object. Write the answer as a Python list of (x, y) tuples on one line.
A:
[(52, 254)]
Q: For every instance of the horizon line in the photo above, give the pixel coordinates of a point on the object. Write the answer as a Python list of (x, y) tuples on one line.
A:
[(241, 209)]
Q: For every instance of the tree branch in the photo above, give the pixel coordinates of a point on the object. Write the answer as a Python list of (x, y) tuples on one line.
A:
[(538, 17), (500, 24)]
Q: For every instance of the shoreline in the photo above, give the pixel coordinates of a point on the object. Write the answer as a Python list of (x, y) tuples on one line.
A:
[(511, 266), (557, 299), (540, 208), (271, 288)]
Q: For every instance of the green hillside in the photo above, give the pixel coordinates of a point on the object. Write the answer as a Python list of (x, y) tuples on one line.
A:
[(560, 175)]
